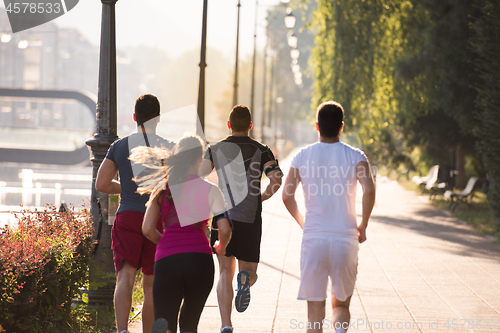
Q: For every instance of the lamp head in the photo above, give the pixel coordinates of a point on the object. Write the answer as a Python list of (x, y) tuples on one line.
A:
[(290, 20)]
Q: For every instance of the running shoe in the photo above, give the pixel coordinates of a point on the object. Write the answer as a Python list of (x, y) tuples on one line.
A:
[(242, 299), (160, 326), (226, 330)]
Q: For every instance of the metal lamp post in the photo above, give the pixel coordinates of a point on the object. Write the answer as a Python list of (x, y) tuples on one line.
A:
[(252, 94), (292, 41), (105, 134), (272, 92), (267, 115), (203, 65), (264, 85), (235, 93)]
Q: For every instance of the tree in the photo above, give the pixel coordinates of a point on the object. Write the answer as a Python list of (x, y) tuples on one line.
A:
[(357, 44), (486, 44), (401, 69)]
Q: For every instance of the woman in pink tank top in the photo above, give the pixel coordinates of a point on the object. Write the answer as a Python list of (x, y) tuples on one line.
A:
[(184, 268)]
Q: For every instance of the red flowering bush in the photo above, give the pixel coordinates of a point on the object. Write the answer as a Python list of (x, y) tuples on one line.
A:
[(43, 262)]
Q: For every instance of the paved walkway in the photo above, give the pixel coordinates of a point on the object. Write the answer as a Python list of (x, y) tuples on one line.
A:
[(419, 271)]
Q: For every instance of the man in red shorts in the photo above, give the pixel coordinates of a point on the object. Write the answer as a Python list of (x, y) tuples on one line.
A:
[(131, 250)]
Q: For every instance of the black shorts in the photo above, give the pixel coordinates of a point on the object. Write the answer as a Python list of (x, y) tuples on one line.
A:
[(245, 240)]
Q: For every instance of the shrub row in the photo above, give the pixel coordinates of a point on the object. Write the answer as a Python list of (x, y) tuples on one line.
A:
[(43, 262)]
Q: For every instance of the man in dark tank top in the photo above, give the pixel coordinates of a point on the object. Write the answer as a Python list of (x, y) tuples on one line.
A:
[(240, 162)]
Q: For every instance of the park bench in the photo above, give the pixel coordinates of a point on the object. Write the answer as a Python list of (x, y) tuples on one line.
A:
[(436, 181), (444, 181), (422, 181), (465, 196), (436, 188)]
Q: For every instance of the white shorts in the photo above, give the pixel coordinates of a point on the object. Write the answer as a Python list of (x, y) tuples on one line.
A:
[(324, 256)]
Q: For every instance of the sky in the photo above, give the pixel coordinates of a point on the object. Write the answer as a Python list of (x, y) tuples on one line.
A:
[(174, 26)]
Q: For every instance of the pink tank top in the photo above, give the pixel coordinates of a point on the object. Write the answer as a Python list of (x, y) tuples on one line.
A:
[(185, 219)]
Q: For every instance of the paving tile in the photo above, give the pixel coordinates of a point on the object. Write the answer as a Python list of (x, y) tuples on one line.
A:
[(417, 266)]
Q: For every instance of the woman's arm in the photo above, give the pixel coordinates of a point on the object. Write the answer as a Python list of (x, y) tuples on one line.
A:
[(218, 206), (150, 221)]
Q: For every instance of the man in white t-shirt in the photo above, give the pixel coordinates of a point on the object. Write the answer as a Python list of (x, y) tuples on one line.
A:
[(329, 171)]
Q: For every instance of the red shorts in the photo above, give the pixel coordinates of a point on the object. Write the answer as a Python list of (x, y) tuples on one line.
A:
[(129, 244)]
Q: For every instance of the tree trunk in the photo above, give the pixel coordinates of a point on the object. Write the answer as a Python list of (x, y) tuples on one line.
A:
[(460, 167)]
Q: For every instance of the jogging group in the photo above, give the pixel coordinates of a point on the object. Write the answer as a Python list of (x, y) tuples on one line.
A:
[(171, 220)]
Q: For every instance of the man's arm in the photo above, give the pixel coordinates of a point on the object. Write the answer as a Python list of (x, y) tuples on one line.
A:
[(274, 181), (206, 168), (291, 183), (105, 181), (365, 178)]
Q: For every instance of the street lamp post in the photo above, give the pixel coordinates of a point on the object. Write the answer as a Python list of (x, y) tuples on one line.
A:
[(264, 85), (203, 65), (252, 94), (272, 93), (292, 40), (105, 134), (235, 93), (267, 113)]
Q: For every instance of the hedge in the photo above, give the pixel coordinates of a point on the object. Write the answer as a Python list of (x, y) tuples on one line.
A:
[(43, 262)]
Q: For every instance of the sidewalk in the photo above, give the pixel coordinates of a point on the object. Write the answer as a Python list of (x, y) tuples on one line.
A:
[(419, 271)]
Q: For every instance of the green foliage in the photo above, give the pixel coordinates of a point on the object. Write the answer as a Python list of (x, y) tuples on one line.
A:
[(419, 79), (478, 214), (437, 65), (44, 261), (401, 71), (137, 292), (98, 278), (357, 45), (92, 319), (487, 47)]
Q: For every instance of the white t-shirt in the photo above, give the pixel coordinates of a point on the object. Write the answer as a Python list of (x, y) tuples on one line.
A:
[(328, 175)]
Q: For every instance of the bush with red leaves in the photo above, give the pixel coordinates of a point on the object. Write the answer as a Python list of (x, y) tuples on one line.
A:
[(43, 262)]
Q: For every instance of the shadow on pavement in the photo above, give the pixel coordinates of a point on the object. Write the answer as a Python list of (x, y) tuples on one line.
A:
[(436, 224), (279, 270)]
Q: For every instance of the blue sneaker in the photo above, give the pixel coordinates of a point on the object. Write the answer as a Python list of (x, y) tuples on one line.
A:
[(242, 299), (226, 329), (160, 326)]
